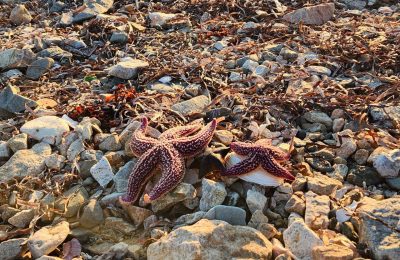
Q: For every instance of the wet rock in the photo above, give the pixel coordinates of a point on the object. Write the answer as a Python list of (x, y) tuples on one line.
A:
[(122, 176), (332, 251), (25, 162), (119, 225), (12, 248), (71, 201), (229, 214), (300, 239), (388, 164), (379, 227), (322, 184), (363, 174), (92, 214), (37, 68), (119, 37), (22, 218), (102, 172), (317, 209), (255, 200), (12, 102), (317, 14), (47, 129), (192, 106), (20, 15), (93, 8), (182, 192), (18, 142), (213, 193), (47, 239), (199, 241), (127, 68)]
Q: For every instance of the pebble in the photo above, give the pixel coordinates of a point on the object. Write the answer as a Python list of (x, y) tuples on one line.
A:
[(317, 209), (48, 129), (261, 70), (47, 239), (361, 156), (102, 172), (337, 113), (220, 45), (189, 219), (235, 76), (229, 214), (92, 214), (192, 106), (12, 248), (288, 54), (347, 148), (20, 15), (213, 193), (37, 68), (119, 37), (224, 136), (122, 176), (138, 214), (388, 164), (255, 200), (18, 142), (159, 19), (249, 66), (22, 218), (182, 192), (338, 124), (93, 8), (317, 14), (127, 68), (319, 70)]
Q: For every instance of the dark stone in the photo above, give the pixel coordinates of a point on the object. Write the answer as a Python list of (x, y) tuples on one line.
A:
[(359, 174)]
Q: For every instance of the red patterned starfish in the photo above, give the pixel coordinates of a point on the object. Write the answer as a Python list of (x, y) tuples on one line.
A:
[(263, 154), (168, 152)]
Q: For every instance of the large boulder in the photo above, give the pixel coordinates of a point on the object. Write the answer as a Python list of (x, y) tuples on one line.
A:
[(211, 239)]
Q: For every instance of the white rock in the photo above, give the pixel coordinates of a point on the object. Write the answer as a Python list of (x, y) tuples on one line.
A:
[(255, 200), (127, 68), (213, 193), (160, 19), (102, 172), (75, 149), (48, 129), (55, 161)]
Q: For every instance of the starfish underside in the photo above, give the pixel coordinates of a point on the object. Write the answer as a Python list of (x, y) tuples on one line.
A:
[(263, 154), (167, 152)]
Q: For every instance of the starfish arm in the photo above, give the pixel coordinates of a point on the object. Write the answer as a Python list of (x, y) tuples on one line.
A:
[(277, 153), (141, 174), (140, 143), (243, 167), (273, 167), (173, 169), (179, 131), (243, 148), (195, 144)]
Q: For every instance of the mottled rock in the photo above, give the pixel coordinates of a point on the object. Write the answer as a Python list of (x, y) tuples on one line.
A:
[(213, 193), (122, 176), (138, 214), (332, 252), (102, 172), (12, 248), (22, 218), (363, 174), (119, 37), (388, 164), (159, 19), (347, 148), (92, 214), (11, 101), (93, 8), (72, 200), (18, 142), (75, 149), (361, 156), (119, 225), (55, 161), (322, 184), (318, 117)]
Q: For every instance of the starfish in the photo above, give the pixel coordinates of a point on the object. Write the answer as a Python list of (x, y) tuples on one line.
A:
[(261, 153), (167, 152)]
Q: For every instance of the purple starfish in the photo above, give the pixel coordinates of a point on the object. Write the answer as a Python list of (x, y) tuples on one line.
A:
[(168, 152), (263, 154)]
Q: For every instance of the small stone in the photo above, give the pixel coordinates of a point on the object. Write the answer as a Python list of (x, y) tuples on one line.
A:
[(283, 192), (48, 129), (16, 58), (319, 70), (317, 210), (268, 230), (338, 124), (394, 183), (355, 4), (255, 200), (37, 68), (122, 176), (18, 142), (257, 218), (361, 156), (11, 101), (296, 203), (93, 8), (220, 45), (119, 225), (213, 193), (288, 54), (72, 201), (119, 37), (318, 117), (300, 239), (138, 214), (229, 214), (12, 248), (232, 198), (348, 147), (317, 14), (250, 66), (47, 239), (102, 172), (149, 221), (332, 252), (5, 151), (322, 184), (388, 164), (22, 218), (319, 164), (20, 15), (224, 136), (192, 106), (182, 192), (235, 76), (56, 53), (55, 161), (339, 172), (159, 19), (364, 174), (190, 219), (92, 214), (337, 113), (261, 70), (57, 6), (127, 68), (108, 142)]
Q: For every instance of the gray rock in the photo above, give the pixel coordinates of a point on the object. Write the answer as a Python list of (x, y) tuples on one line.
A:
[(66, 19), (338, 124), (220, 45), (11, 74), (102, 172), (319, 70), (379, 227), (92, 214), (108, 142), (192, 106), (361, 156), (232, 198), (355, 4), (16, 58), (229, 214), (11, 249), (57, 6), (93, 8), (235, 76), (18, 142), (388, 164), (37, 68), (257, 218), (318, 117), (182, 192), (249, 66), (261, 70), (394, 183), (317, 14), (12, 102), (255, 200), (25, 162), (55, 161), (22, 218), (363, 174), (119, 37), (5, 151), (47, 129), (296, 203), (213, 193), (127, 68), (47, 239), (20, 15), (348, 147), (288, 54), (71, 201), (190, 219), (122, 176), (319, 164)]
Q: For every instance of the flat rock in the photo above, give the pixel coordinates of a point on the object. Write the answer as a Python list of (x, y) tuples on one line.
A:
[(318, 117), (379, 227), (102, 172), (388, 164), (127, 68), (47, 239), (182, 192), (317, 210), (12, 102), (25, 162), (213, 193), (93, 8), (209, 240), (317, 14), (47, 129), (37, 68), (12, 248), (229, 214), (192, 106)]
